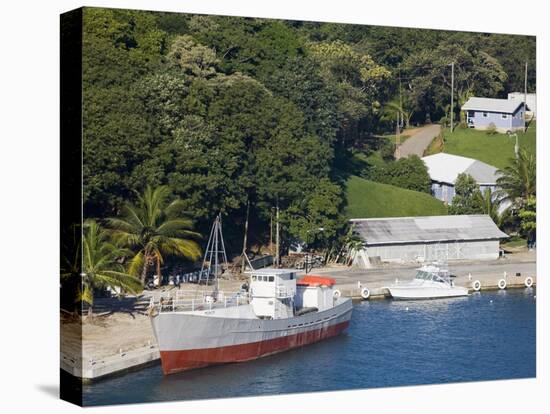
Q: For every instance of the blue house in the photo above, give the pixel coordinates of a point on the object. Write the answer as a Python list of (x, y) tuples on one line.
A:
[(444, 169), (505, 114)]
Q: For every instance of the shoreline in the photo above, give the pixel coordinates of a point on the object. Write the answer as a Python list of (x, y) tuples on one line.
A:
[(131, 344)]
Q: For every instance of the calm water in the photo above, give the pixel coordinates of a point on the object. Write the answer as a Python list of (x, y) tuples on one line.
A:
[(486, 336)]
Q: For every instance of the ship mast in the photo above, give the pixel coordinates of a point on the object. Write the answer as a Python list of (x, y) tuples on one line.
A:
[(215, 257)]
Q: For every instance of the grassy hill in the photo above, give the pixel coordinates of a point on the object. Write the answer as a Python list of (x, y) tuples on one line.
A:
[(371, 199), (495, 149)]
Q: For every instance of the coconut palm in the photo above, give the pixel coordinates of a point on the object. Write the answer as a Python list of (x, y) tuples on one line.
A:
[(517, 182), (396, 106), (152, 228), (101, 265), (490, 202), (70, 266)]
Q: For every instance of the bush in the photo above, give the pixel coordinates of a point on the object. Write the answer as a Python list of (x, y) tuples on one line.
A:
[(491, 129), (387, 151), (410, 173), (467, 199)]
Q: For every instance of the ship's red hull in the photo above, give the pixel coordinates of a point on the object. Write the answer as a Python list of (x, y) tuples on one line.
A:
[(177, 361)]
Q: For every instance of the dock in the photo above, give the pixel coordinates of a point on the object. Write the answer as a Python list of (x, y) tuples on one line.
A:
[(514, 271), (140, 349), (123, 361), (487, 282)]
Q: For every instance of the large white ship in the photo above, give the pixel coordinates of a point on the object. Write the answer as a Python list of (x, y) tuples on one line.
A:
[(276, 314)]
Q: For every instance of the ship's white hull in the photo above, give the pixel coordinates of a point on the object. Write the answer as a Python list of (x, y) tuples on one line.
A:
[(196, 339)]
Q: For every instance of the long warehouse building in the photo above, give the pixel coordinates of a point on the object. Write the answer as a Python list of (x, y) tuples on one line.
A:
[(424, 239)]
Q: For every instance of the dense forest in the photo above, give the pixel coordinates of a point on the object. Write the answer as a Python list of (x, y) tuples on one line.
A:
[(231, 113)]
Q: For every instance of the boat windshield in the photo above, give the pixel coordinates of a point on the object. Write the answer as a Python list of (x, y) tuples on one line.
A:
[(423, 275)]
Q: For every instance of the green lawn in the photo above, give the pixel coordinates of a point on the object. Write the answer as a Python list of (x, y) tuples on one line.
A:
[(371, 199), (514, 242), (496, 150)]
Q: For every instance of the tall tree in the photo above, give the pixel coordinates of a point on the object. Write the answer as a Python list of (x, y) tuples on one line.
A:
[(101, 265), (467, 199), (490, 203), (428, 75), (152, 228), (528, 220), (518, 181), (357, 81)]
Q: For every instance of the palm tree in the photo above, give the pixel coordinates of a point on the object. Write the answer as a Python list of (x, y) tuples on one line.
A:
[(517, 182), (152, 228), (490, 203), (71, 255), (395, 106), (101, 266)]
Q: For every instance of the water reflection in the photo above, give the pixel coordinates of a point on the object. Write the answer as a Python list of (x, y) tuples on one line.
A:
[(389, 343)]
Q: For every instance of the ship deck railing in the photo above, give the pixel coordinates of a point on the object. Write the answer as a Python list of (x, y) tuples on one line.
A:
[(189, 300)]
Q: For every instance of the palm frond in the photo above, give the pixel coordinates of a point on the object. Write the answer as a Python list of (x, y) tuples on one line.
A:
[(85, 295), (179, 226), (179, 247), (121, 280), (136, 264)]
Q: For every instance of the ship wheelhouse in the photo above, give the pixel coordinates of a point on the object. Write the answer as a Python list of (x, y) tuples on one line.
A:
[(277, 294), (272, 293)]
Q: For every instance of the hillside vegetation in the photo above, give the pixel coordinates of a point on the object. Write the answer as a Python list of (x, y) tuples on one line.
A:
[(368, 199)]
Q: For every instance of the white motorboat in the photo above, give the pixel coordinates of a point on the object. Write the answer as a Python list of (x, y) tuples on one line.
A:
[(431, 281)]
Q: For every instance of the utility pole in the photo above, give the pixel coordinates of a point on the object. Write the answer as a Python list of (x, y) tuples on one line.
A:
[(271, 231), (452, 93), (525, 101), (400, 96), (244, 258), (277, 258), (397, 137)]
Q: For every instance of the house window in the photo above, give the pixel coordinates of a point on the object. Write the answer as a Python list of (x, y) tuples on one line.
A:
[(485, 114), (471, 114), (504, 116)]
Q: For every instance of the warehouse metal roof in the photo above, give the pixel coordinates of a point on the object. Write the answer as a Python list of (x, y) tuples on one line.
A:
[(445, 168), (394, 230), (506, 106)]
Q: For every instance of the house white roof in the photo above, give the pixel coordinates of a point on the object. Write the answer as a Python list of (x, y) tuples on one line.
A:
[(507, 106), (393, 230), (444, 168)]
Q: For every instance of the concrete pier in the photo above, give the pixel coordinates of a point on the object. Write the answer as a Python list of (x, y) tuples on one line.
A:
[(125, 360), (514, 271), (91, 365)]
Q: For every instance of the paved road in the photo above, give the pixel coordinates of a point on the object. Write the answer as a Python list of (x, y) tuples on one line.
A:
[(418, 142)]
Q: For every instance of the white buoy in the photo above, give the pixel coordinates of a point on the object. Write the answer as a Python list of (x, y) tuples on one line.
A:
[(406, 308), (528, 281), (365, 293), (476, 285), (502, 284)]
